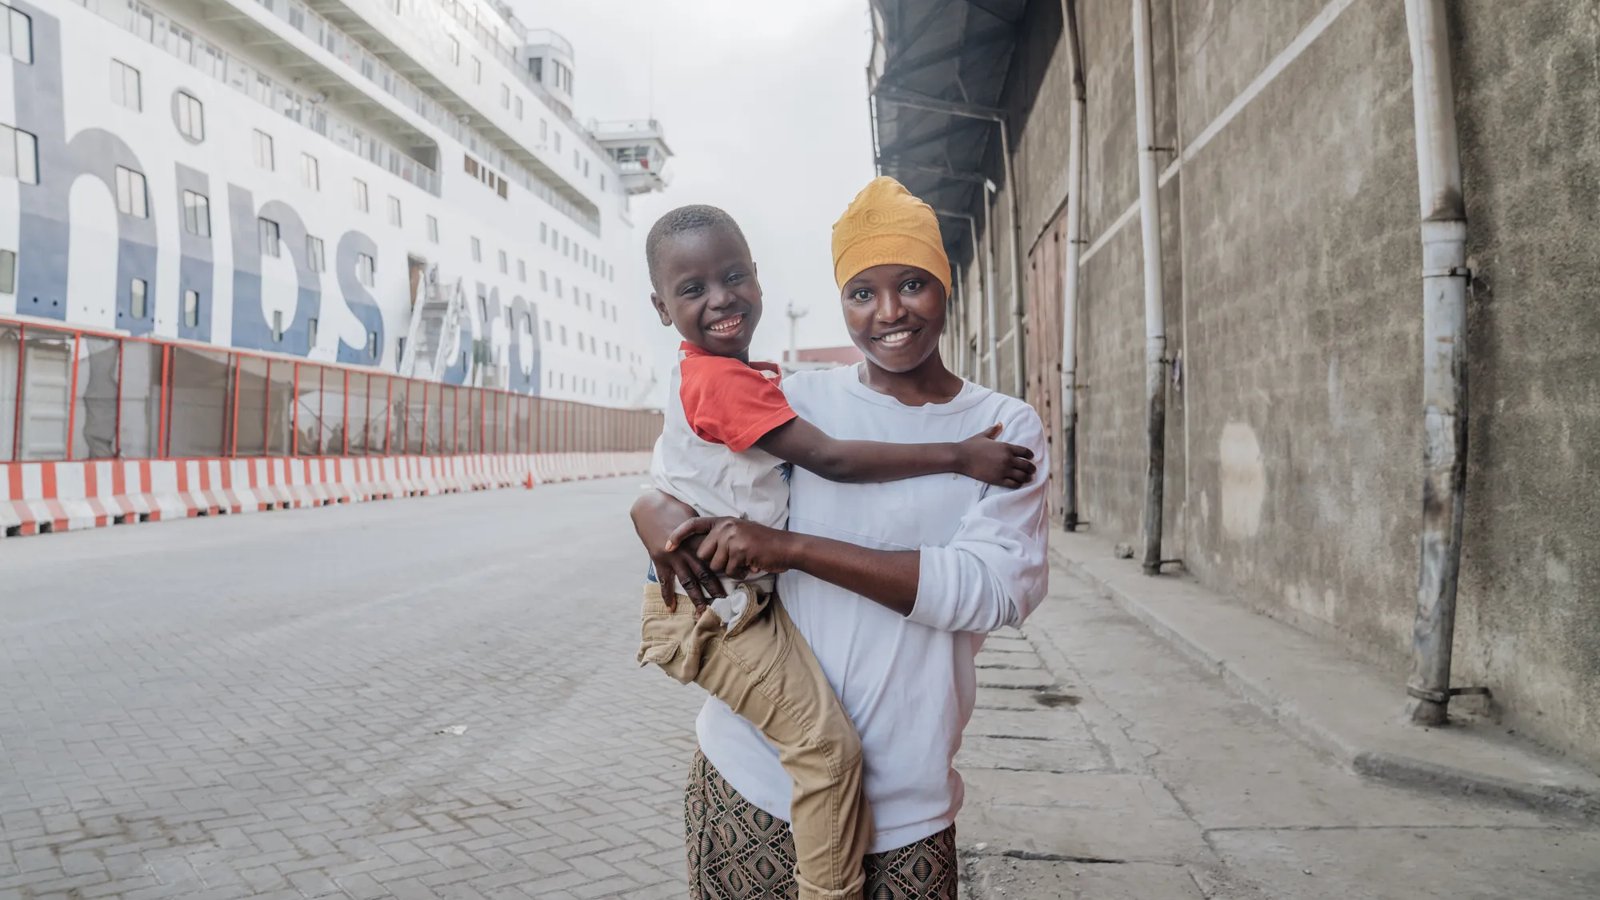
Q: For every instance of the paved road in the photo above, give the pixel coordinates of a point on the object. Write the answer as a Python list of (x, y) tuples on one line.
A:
[(261, 706)]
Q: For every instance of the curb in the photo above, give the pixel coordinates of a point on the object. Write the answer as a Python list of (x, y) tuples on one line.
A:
[(1570, 791), (50, 497)]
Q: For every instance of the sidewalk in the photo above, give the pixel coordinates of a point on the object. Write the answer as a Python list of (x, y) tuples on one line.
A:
[(1132, 742)]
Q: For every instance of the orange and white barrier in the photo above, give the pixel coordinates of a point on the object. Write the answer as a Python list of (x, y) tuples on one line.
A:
[(42, 497)]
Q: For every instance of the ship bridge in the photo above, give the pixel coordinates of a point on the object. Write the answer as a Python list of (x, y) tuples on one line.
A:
[(639, 148)]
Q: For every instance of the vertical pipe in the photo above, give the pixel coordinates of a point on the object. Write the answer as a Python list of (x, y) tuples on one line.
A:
[(976, 357), (1445, 280), (164, 403), (266, 413), (1019, 377), (991, 303), (16, 414), (233, 426), (72, 393), (344, 427), (116, 442), (1154, 319), (1074, 249)]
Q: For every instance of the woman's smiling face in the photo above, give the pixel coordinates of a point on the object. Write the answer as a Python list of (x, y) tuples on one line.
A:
[(895, 314)]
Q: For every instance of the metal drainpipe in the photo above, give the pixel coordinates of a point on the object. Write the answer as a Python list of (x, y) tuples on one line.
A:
[(991, 302), (1019, 378), (1154, 312), (1445, 280), (957, 326), (1074, 249)]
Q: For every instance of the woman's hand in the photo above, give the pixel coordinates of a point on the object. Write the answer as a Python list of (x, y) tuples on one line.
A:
[(737, 547), (654, 516)]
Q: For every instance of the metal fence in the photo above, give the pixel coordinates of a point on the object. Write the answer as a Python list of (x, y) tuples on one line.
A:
[(70, 394)]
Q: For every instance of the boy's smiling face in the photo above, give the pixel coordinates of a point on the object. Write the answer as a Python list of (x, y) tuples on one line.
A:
[(706, 287)]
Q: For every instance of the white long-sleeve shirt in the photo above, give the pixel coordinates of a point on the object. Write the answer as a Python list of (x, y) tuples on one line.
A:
[(907, 682)]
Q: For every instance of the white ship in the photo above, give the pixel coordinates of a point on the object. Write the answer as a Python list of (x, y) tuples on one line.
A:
[(240, 196)]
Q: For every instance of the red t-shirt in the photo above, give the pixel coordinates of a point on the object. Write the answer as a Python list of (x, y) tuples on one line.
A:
[(730, 402)]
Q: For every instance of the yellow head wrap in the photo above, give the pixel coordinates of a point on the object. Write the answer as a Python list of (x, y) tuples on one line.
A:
[(885, 224)]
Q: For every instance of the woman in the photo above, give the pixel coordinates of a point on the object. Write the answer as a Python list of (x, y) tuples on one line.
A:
[(893, 585)]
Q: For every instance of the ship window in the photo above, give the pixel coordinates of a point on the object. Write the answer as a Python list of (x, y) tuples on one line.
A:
[(132, 200), (372, 344), (361, 195), (544, 280), (196, 214), (264, 157), (17, 31), (277, 325), (558, 142), (563, 335), (267, 233), (547, 330), (566, 247), (8, 271), (602, 181), (477, 70), (311, 333), (19, 155), (519, 109), (544, 130), (455, 51), (366, 269), (433, 229), (314, 254), (191, 116), (477, 250), (310, 172), (544, 232), (505, 96), (505, 266), (394, 211), (559, 290), (522, 271), (586, 168), (125, 86), (138, 298), (191, 309)]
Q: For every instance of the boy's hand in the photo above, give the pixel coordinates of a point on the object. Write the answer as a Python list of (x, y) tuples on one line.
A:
[(654, 516), (995, 462)]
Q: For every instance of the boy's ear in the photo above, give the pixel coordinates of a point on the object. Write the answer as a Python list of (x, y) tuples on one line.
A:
[(661, 308)]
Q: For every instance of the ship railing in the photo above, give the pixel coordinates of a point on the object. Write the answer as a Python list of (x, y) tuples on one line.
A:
[(507, 57), (354, 54), (177, 40), (196, 51)]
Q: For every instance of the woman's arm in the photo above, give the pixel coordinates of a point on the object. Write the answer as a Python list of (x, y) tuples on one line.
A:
[(738, 546)]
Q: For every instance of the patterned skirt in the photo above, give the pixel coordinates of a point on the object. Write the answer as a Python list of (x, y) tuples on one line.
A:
[(739, 852)]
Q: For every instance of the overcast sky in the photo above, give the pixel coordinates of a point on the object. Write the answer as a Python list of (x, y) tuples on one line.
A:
[(764, 105)]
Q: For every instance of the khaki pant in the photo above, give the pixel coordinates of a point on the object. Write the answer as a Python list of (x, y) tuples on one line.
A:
[(764, 670)]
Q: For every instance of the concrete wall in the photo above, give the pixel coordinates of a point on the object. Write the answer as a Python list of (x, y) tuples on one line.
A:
[(1290, 240)]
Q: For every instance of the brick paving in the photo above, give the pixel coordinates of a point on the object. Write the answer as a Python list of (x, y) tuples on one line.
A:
[(264, 706)]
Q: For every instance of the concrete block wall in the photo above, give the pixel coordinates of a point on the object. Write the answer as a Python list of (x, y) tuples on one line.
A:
[(1292, 267)]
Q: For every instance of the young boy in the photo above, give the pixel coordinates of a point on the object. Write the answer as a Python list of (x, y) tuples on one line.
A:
[(728, 432)]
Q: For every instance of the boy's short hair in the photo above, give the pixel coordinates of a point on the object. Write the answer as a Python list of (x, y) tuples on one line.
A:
[(680, 221)]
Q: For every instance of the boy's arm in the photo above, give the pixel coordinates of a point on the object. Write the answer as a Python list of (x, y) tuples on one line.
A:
[(980, 456)]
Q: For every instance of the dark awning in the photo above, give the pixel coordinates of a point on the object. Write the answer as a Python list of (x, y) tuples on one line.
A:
[(937, 71)]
